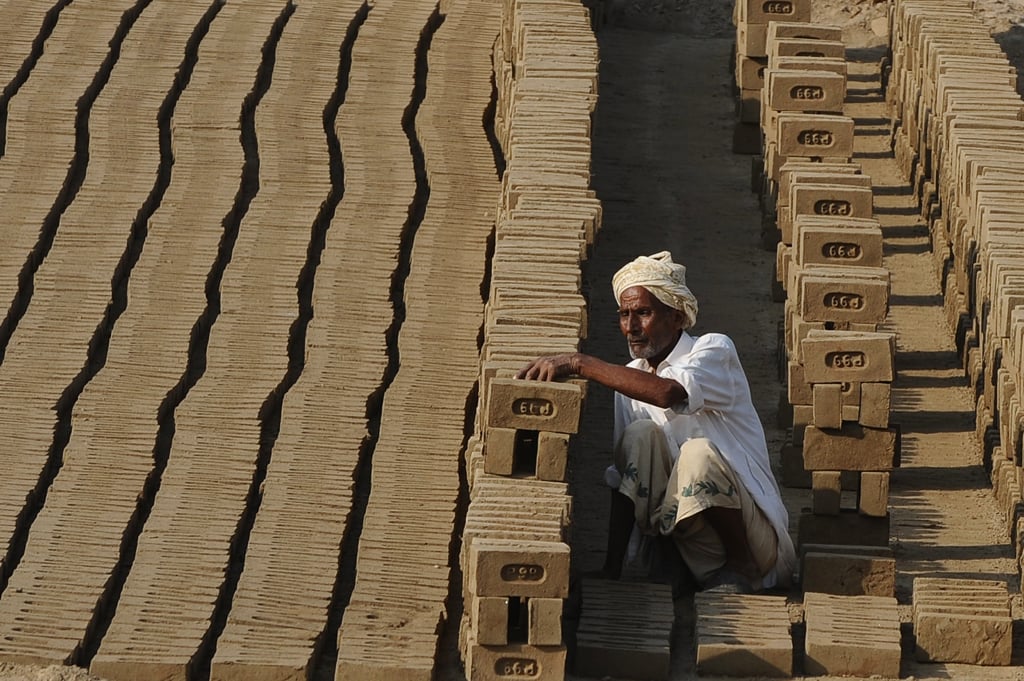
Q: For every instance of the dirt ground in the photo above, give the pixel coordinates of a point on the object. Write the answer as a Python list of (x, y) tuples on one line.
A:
[(664, 171)]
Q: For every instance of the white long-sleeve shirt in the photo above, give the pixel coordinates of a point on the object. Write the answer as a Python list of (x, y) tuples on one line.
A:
[(719, 408)]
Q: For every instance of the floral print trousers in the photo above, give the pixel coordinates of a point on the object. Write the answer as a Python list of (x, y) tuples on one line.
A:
[(668, 496)]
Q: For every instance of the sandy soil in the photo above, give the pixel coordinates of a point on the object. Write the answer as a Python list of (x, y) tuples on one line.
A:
[(665, 174)]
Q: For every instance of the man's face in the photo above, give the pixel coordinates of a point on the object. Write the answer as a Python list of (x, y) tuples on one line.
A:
[(650, 326)]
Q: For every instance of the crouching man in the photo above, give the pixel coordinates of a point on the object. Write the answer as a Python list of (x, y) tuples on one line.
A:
[(691, 460)]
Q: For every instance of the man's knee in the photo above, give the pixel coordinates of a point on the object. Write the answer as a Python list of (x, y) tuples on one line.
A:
[(640, 431), (698, 455), (639, 439)]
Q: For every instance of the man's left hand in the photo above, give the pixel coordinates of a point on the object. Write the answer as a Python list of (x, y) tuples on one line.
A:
[(551, 367)]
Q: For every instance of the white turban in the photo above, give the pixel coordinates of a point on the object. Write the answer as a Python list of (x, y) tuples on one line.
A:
[(665, 280)]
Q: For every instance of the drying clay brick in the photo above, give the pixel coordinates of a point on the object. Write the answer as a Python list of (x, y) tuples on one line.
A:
[(852, 635), (552, 455), (850, 448), (799, 29), (490, 620), (764, 11), (853, 300), (827, 405), (740, 635), (545, 621), (814, 135), (836, 356), (534, 405), (805, 47), (511, 568), (752, 39), (624, 630), (818, 91), (815, 245), (962, 620), (826, 492), (750, 72), (964, 638), (875, 404), (798, 390), (847, 574), (516, 661), (873, 494), (833, 200), (499, 451)]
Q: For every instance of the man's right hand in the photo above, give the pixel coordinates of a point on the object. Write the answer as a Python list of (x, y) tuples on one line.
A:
[(551, 367)]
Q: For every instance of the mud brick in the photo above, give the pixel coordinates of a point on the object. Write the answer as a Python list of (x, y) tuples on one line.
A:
[(830, 356), (518, 568), (764, 11), (826, 492), (534, 405), (524, 661), (792, 167), (814, 135), (750, 72), (847, 574), (782, 259), (817, 91), (798, 390), (850, 448), (545, 621), (805, 47), (849, 527), (832, 300), (499, 451), (852, 635), (836, 245), (962, 620), (552, 455), (833, 200), (751, 39), (875, 404), (624, 630), (827, 405), (798, 29), (873, 494), (490, 620), (741, 635), (795, 175)]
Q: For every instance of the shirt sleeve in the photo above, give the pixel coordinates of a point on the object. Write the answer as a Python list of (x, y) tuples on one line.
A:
[(708, 373)]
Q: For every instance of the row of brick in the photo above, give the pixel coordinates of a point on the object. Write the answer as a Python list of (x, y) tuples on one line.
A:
[(166, 612), (957, 133), (818, 207), (954, 620), (403, 593), (172, 595), (515, 555), (54, 597)]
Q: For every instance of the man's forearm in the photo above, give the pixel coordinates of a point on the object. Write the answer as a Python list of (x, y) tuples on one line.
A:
[(634, 383)]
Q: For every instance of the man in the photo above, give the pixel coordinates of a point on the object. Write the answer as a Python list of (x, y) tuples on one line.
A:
[(691, 460)]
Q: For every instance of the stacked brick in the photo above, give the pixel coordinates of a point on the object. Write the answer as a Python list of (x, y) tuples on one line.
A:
[(819, 209), (740, 635), (624, 630), (751, 19), (962, 620), (515, 555), (851, 636), (958, 135)]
